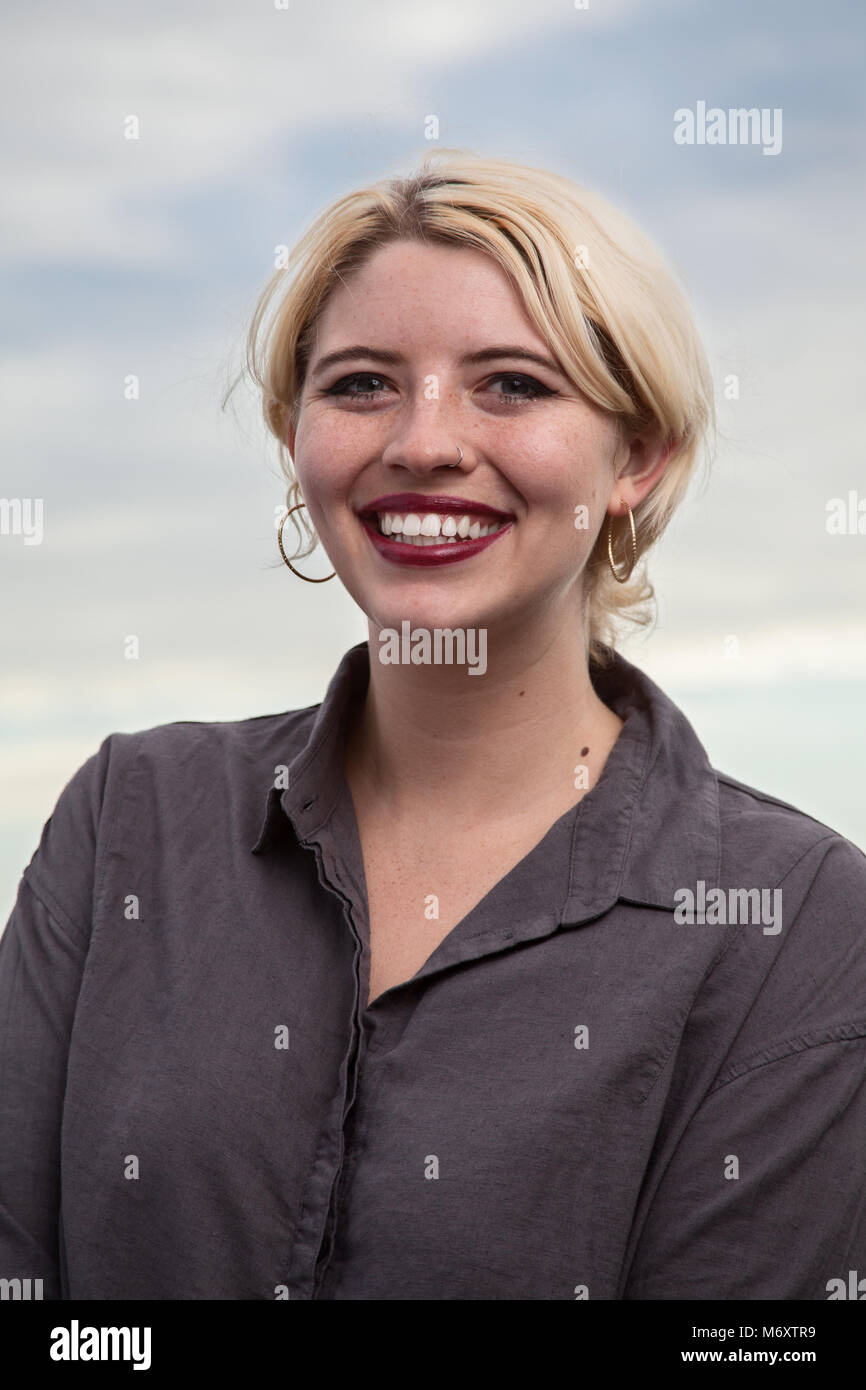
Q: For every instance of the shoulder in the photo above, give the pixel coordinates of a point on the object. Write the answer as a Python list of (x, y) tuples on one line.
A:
[(189, 762), (137, 780), (798, 951), (183, 750), (780, 839), (172, 746)]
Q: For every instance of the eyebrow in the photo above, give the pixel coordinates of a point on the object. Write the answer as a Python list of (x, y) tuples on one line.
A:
[(396, 359)]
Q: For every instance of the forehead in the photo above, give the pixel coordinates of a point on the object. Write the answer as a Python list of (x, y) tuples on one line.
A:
[(412, 290)]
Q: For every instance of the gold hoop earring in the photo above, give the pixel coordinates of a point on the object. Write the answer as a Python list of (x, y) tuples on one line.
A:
[(305, 577), (622, 578)]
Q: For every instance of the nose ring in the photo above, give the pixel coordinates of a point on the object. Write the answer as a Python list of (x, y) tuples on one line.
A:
[(460, 460)]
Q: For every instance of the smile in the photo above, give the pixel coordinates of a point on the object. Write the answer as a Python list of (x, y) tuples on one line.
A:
[(433, 527), (452, 532)]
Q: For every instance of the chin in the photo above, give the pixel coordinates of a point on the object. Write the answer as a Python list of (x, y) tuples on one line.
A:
[(429, 611)]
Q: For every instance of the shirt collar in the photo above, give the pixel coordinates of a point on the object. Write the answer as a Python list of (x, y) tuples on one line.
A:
[(649, 826)]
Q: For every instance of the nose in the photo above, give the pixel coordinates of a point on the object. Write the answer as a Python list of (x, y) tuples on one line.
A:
[(428, 441)]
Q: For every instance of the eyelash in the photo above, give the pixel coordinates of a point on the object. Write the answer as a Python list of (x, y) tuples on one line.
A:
[(538, 389)]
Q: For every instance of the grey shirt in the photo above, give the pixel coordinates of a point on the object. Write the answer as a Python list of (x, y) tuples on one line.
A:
[(620, 1076)]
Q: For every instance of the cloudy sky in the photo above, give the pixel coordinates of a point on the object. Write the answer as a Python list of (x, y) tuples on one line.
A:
[(145, 256)]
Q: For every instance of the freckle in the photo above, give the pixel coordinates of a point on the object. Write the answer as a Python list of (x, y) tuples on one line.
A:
[(521, 692), (583, 752)]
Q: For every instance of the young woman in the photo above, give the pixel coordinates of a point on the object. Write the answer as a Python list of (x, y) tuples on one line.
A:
[(476, 981)]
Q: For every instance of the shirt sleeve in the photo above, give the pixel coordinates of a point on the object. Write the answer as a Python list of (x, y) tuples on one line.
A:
[(42, 955), (762, 1194), (765, 1196)]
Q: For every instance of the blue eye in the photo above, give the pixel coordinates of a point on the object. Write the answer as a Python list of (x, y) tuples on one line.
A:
[(351, 387), (339, 387), (535, 388)]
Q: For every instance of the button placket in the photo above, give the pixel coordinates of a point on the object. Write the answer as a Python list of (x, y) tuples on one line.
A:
[(328, 1238), (325, 1268)]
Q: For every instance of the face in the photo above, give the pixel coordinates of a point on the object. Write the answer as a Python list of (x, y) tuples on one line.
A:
[(440, 354)]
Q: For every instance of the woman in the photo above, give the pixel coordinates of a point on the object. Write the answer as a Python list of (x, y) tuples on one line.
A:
[(476, 981)]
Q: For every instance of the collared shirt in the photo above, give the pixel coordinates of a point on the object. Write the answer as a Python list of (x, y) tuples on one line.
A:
[(636, 1069)]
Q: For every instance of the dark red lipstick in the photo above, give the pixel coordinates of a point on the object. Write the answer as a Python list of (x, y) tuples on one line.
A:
[(425, 502), (445, 552)]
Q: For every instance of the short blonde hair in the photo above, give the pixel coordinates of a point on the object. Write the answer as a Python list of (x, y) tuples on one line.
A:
[(605, 301)]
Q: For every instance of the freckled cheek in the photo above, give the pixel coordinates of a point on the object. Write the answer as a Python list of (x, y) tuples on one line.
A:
[(327, 466), (329, 510), (554, 486)]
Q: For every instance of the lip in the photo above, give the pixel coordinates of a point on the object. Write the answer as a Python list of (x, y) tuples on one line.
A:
[(422, 557), (426, 502)]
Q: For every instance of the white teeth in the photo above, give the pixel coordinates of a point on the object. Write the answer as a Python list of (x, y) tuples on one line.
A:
[(433, 528)]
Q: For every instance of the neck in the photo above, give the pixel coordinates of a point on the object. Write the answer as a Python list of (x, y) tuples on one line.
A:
[(444, 742)]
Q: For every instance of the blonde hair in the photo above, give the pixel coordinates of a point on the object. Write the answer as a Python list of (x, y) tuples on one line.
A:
[(601, 295)]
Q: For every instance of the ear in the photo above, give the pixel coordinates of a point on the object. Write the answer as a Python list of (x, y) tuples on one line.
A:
[(645, 458), (290, 438)]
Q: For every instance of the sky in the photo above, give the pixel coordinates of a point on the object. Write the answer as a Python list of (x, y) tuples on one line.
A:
[(146, 256)]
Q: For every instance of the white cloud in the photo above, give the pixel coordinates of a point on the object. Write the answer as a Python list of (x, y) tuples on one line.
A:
[(218, 92), (779, 652)]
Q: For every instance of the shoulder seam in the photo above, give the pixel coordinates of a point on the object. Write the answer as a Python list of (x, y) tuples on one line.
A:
[(100, 866), (223, 723), (731, 938), (55, 912), (769, 800), (841, 1032), (800, 857)]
